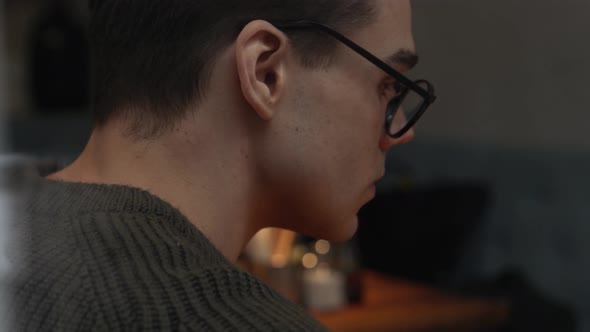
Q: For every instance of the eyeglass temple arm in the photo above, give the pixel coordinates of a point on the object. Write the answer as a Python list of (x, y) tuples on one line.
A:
[(357, 48)]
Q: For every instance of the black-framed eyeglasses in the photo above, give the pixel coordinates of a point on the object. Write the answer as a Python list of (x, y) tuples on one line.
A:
[(412, 98)]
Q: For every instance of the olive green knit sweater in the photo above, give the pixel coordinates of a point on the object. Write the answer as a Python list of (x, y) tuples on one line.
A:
[(115, 258)]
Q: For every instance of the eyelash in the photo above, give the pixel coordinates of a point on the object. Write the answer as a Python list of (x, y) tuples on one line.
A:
[(391, 89)]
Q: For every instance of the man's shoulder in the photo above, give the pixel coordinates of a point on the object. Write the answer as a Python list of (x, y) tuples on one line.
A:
[(148, 297), (226, 298), (122, 266)]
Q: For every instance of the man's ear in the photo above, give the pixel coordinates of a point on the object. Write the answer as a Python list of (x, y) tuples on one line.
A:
[(261, 55)]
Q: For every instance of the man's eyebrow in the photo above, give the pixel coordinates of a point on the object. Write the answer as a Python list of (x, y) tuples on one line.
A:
[(404, 58)]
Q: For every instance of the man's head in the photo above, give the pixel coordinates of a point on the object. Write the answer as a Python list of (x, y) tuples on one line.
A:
[(301, 115), (153, 59)]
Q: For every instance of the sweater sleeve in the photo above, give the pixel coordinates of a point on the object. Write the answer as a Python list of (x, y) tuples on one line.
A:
[(146, 280), (127, 266)]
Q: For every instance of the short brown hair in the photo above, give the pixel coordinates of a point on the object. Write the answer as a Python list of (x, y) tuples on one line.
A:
[(152, 58)]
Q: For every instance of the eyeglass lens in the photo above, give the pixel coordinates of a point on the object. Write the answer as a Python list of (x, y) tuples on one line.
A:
[(404, 107)]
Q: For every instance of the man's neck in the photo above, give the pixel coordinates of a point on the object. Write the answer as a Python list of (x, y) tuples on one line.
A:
[(214, 194)]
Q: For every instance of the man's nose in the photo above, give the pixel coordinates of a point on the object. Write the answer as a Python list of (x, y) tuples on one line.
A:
[(388, 141)]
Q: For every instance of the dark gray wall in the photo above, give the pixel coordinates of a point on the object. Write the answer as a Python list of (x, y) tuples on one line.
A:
[(512, 73)]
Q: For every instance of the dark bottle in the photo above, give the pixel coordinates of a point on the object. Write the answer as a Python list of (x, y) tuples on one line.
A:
[(59, 61)]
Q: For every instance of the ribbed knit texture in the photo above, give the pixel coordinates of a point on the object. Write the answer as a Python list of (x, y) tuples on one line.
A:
[(114, 258)]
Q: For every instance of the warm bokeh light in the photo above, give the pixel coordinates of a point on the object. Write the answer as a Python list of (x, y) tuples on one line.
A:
[(322, 247), (309, 261), (278, 261)]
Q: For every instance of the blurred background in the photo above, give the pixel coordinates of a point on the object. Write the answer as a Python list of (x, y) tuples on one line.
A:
[(3, 206), (491, 198)]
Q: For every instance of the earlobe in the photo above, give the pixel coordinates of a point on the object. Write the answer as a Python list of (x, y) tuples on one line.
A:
[(261, 51)]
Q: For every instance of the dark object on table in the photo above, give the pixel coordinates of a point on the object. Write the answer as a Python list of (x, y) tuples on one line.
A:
[(530, 309), (419, 234)]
